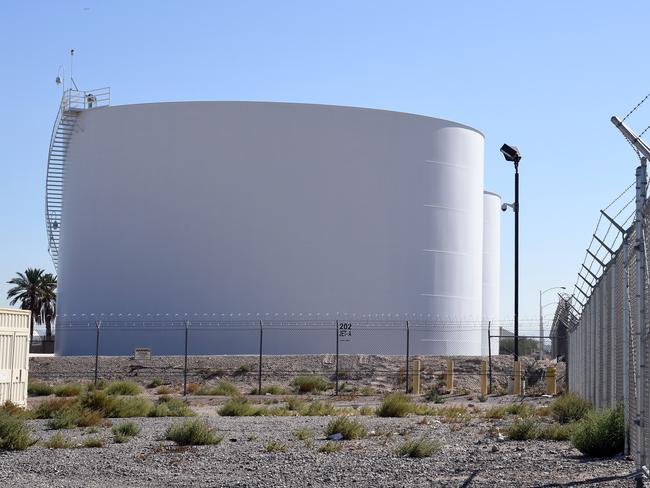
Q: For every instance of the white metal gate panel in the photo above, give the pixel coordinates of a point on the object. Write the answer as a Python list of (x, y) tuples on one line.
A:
[(14, 355)]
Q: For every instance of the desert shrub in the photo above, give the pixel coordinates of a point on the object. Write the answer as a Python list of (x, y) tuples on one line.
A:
[(367, 390), (68, 390), (58, 441), (37, 388), (64, 419), (270, 390), (100, 385), (294, 403), (317, 409), (433, 395), (47, 408), (222, 388), (309, 384), (303, 433), (129, 429), (92, 430), (171, 407), (98, 401), (569, 407), (93, 442), (120, 438), (555, 432), (275, 446), (495, 412), (11, 408), (14, 433), (395, 405), (155, 383), (243, 369), (330, 447), (366, 410), (600, 433), (192, 388), (163, 390), (239, 407), (347, 427), (418, 448), (123, 387), (453, 413), (522, 430), (194, 432), (130, 407), (520, 409)]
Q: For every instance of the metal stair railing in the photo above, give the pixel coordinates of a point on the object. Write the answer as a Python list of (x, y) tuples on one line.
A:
[(72, 103)]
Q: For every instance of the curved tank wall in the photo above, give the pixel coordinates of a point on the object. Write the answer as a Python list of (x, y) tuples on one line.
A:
[(491, 266), (271, 208)]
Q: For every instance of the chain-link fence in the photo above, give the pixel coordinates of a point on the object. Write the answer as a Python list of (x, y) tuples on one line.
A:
[(608, 325)]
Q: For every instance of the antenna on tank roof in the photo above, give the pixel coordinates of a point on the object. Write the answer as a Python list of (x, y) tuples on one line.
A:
[(71, 65)]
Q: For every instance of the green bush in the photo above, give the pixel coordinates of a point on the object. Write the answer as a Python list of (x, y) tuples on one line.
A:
[(294, 403), (309, 384), (130, 407), (434, 396), (330, 447), (37, 388), (239, 407), (367, 410), (171, 407), (244, 369), (569, 408), (222, 388), (93, 442), (600, 433), (123, 387), (522, 430), (367, 390), (495, 412), (163, 390), (520, 409), (270, 390), (347, 427), (98, 401), (68, 390), (317, 409), (556, 432), (303, 433), (275, 446), (194, 432), (395, 405), (129, 429), (11, 408), (64, 419), (155, 383), (14, 433), (58, 441), (418, 448), (48, 407)]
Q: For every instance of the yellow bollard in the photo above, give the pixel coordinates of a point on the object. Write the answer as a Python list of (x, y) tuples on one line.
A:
[(450, 375), (484, 382), (551, 383), (415, 379), (517, 385)]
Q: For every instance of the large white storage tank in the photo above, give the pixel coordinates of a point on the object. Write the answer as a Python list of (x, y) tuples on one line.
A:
[(14, 355), (250, 208), (491, 268)]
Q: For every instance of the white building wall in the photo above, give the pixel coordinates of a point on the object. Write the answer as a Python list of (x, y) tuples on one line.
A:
[(249, 207), (14, 355)]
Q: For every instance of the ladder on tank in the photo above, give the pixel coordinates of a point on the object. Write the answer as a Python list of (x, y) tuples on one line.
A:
[(72, 103)]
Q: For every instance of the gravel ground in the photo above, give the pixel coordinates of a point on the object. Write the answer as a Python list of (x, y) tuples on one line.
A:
[(470, 456)]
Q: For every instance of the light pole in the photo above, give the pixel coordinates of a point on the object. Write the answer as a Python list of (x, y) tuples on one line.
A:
[(511, 153), (541, 319)]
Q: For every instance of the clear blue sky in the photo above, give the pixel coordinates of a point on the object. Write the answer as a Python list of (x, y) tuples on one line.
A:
[(546, 76)]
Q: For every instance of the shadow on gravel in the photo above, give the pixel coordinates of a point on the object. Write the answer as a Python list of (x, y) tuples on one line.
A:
[(591, 481), (469, 479)]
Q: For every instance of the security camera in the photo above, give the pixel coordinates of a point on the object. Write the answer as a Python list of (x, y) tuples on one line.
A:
[(511, 153), (504, 207)]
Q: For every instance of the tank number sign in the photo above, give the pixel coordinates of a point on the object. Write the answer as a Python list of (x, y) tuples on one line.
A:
[(345, 331)]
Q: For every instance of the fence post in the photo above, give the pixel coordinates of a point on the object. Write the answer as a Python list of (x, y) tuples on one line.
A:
[(626, 343), (483, 379), (187, 323), (98, 323), (490, 356), (336, 371), (407, 356), (259, 373), (450, 375), (415, 384), (517, 383)]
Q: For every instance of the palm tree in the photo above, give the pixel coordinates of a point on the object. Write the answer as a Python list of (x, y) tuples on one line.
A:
[(36, 291)]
